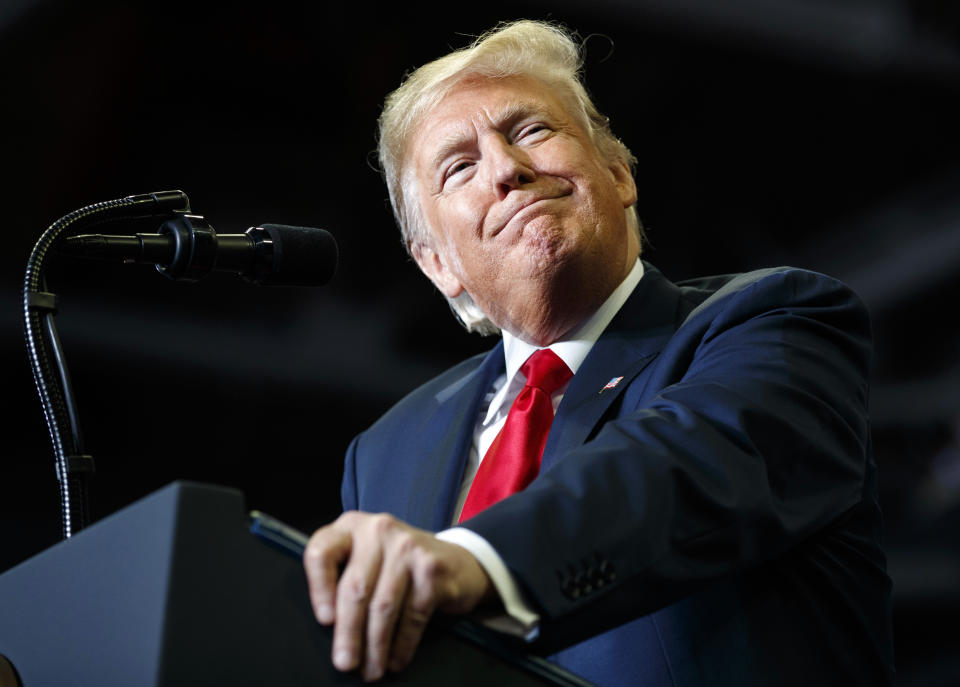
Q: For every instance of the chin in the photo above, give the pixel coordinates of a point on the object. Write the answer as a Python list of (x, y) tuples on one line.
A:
[(543, 246)]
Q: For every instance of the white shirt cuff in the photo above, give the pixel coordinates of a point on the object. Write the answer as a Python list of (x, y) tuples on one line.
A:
[(519, 619)]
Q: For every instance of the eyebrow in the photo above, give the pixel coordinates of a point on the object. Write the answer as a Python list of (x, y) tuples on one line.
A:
[(448, 145), (505, 117)]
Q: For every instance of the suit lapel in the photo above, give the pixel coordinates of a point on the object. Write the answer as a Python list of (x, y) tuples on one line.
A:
[(633, 339), (445, 449)]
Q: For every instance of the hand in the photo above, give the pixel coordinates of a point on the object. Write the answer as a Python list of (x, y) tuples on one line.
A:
[(395, 577)]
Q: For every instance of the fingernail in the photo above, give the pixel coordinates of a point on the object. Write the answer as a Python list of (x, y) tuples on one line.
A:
[(343, 660), (372, 672), (325, 613)]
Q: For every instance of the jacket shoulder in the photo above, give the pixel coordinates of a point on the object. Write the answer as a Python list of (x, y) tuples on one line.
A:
[(764, 290), (770, 277)]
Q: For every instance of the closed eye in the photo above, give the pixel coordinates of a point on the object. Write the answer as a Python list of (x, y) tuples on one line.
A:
[(532, 133), (458, 168)]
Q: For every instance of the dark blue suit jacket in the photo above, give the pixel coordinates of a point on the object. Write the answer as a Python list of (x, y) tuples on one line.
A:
[(709, 520)]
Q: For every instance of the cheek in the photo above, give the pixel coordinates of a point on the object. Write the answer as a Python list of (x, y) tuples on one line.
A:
[(460, 222)]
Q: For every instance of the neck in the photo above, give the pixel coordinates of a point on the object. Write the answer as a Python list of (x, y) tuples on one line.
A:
[(554, 315)]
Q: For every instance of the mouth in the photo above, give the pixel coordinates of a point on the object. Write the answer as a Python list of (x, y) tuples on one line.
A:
[(524, 211)]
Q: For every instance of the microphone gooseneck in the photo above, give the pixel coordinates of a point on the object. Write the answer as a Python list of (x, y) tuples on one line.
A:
[(74, 467)]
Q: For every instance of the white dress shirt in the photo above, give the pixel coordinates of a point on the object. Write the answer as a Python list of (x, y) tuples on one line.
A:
[(573, 349)]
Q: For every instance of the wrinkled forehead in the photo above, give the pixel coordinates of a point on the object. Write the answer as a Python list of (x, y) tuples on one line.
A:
[(476, 102)]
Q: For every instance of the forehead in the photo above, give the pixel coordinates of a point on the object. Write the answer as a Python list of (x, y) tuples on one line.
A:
[(495, 98), (476, 103)]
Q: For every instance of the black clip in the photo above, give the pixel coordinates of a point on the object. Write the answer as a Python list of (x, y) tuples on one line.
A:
[(42, 301), (78, 464)]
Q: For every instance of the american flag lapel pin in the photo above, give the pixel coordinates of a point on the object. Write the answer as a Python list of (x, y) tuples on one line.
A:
[(612, 383)]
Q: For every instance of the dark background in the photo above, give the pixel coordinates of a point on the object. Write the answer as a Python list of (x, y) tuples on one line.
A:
[(821, 134)]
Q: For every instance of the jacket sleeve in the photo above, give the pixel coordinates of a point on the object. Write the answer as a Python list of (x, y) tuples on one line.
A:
[(348, 487), (745, 437)]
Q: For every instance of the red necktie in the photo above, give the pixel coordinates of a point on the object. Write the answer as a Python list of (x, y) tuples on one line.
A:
[(513, 459)]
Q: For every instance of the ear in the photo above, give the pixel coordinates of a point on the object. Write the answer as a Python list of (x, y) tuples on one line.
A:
[(434, 265), (626, 186)]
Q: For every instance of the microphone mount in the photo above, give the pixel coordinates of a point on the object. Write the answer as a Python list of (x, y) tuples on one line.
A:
[(185, 248)]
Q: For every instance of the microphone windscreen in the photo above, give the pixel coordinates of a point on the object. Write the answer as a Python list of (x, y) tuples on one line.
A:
[(303, 256)]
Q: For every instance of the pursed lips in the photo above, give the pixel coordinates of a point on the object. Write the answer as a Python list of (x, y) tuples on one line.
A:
[(522, 204)]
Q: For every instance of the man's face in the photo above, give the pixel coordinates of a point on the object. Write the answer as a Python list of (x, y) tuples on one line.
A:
[(525, 214)]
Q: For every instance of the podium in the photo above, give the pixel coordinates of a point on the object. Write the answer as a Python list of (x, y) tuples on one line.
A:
[(174, 590)]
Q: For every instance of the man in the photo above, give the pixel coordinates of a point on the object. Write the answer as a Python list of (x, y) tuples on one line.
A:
[(705, 510)]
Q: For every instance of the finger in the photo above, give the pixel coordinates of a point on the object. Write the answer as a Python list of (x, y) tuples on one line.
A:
[(326, 550), (418, 608), (354, 592), (385, 608)]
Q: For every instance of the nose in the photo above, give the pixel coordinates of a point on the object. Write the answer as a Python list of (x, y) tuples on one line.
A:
[(510, 167)]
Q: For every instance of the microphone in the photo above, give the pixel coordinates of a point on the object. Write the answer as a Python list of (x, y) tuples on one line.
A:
[(186, 248)]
